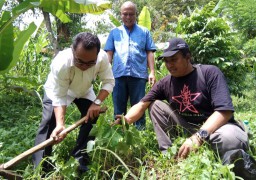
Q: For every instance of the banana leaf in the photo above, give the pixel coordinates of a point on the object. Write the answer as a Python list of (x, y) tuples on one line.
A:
[(144, 18)]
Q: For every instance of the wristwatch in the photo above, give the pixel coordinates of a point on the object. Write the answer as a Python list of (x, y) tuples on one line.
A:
[(203, 134), (97, 102)]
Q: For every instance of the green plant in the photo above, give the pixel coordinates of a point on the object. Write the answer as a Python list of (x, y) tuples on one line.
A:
[(242, 15), (120, 152), (211, 42), (144, 18), (10, 52), (18, 114), (117, 148)]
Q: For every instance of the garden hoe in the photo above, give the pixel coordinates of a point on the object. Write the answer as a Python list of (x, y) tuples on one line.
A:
[(11, 175)]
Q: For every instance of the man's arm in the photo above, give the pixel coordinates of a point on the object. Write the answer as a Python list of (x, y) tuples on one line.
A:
[(60, 112), (214, 122), (151, 65), (136, 111), (94, 110), (110, 56), (108, 82)]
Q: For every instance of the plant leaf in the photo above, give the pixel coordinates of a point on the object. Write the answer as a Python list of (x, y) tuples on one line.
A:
[(19, 44), (144, 18), (115, 21), (254, 67), (59, 8), (6, 42), (22, 7), (2, 3)]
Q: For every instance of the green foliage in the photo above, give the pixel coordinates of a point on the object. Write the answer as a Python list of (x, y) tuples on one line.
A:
[(250, 48), (122, 152), (16, 11), (249, 56), (30, 71), (2, 3), (164, 15), (120, 138), (116, 148), (242, 14), (66, 31), (59, 8), (11, 46), (211, 42), (18, 125), (10, 51), (6, 36), (144, 18), (115, 21), (15, 48), (203, 165)]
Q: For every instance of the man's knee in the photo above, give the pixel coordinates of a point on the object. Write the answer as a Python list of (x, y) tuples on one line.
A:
[(156, 105), (229, 137)]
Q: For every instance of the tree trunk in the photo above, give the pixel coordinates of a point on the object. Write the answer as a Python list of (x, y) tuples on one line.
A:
[(63, 34), (48, 25)]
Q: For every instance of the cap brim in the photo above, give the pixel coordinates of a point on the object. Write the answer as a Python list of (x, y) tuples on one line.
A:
[(167, 54)]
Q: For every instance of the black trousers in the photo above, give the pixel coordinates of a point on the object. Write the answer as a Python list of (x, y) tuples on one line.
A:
[(48, 124)]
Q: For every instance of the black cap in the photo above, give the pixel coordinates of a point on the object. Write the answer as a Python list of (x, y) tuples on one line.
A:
[(174, 45)]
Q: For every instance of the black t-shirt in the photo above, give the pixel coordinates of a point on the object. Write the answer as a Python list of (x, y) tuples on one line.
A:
[(195, 96)]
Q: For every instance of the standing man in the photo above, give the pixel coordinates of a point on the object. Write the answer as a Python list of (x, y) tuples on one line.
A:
[(198, 103), (70, 80), (131, 48)]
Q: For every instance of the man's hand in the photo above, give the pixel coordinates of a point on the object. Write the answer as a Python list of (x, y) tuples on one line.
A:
[(118, 120), (93, 112), (56, 134), (191, 144), (151, 79)]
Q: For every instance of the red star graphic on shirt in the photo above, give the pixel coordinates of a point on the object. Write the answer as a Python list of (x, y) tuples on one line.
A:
[(185, 98)]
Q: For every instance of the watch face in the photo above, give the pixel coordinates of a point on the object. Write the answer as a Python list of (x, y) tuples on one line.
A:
[(203, 133), (97, 101)]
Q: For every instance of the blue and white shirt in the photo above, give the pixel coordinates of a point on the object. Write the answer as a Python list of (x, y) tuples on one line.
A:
[(130, 51)]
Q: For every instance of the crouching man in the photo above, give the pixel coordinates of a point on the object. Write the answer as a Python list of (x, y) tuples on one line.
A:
[(193, 99), (71, 78)]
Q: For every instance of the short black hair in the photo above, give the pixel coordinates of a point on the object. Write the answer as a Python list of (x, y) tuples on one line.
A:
[(184, 52), (88, 40)]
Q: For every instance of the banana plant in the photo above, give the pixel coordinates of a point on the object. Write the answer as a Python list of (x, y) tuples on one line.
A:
[(144, 18), (11, 46), (59, 7)]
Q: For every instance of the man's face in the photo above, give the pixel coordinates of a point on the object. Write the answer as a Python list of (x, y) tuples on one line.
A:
[(178, 65), (128, 15), (84, 59)]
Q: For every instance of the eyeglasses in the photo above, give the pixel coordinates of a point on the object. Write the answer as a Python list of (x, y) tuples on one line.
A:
[(80, 62), (127, 14)]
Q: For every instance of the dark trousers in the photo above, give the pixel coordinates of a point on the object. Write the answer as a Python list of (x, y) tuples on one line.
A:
[(167, 122), (229, 141), (132, 88), (48, 124)]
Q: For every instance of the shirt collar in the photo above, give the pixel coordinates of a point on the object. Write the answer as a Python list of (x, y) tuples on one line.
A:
[(126, 28)]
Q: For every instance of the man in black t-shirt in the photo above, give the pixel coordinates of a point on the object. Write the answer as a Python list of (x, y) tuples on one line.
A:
[(193, 99)]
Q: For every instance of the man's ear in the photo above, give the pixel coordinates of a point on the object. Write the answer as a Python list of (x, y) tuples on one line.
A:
[(188, 57)]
